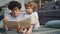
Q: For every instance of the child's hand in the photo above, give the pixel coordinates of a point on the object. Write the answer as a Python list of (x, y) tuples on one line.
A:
[(19, 28), (5, 19)]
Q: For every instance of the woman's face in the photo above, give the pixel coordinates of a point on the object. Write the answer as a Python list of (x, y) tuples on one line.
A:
[(29, 10), (15, 11)]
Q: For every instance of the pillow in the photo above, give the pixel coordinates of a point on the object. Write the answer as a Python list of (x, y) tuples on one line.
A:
[(53, 23)]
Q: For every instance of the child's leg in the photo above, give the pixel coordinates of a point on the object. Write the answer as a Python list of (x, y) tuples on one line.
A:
[(30, 30)]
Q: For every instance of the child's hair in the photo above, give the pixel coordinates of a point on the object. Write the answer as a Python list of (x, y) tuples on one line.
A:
[(14, 4), (31, 4)]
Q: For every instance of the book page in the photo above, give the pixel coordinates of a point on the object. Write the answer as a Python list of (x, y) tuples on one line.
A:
[(25, 22)]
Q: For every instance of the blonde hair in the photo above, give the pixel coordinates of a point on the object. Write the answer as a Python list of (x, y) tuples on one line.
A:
[(31, 4)]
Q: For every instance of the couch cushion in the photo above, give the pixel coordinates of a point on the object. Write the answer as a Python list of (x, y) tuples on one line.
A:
[(53, 23)]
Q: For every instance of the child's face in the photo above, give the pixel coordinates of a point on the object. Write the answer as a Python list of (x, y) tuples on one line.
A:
[(15, 11), (29, 10)]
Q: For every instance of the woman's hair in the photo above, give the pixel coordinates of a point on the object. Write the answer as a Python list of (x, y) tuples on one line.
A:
[(14, 4), (31, 4)]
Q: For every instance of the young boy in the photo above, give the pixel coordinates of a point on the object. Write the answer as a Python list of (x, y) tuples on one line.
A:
[(31, 8), (15, 14)]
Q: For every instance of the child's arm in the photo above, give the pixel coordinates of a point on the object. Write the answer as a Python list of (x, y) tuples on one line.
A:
[(34, 21), (5, 18), (34, 18), (5, 26)]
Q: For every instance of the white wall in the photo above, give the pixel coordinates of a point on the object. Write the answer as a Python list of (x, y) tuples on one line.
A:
[(26, 1), (3, 2), (54, 0)]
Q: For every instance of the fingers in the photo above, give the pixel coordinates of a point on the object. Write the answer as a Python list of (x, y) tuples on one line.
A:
[(5, 19), (21, 27), (25, 30), (29, 32)]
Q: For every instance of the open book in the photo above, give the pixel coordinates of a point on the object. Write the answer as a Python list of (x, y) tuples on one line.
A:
[(25, 22)]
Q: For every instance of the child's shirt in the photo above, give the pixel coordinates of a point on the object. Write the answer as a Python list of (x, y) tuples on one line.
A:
[(32, 17), (10, 17)]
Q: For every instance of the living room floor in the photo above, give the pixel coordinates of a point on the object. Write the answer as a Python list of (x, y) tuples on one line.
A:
[(41, 30)]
